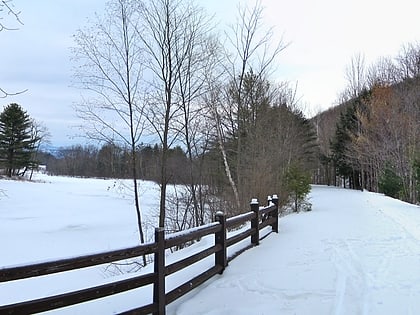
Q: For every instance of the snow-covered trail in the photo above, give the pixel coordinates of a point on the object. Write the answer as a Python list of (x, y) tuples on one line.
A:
[(355, 253)]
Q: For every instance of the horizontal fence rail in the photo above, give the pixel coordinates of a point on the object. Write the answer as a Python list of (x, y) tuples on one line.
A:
[(46, 268), (259, 218)]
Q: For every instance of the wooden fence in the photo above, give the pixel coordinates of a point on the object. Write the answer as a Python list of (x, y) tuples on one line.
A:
[(260, 218)]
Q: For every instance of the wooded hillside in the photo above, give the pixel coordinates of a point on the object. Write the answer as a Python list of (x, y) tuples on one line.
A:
[(372, 140)]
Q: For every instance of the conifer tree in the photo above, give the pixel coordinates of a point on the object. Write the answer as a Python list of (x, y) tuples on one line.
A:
[(390, 183), (17, 143), (347, 129), (298, 183)]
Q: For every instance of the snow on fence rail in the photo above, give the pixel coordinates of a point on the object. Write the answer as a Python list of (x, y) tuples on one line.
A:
[(259, 218)]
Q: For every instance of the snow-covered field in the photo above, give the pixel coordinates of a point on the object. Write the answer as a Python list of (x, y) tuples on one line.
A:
[(59, 217), (355, 253)]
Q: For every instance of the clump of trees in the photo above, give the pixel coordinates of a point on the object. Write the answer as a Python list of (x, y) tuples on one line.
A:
[(19, 141), (223, 128), (375, 144)]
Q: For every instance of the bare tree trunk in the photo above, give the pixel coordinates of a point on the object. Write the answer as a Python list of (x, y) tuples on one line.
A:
[(168, 35), (111, 68)]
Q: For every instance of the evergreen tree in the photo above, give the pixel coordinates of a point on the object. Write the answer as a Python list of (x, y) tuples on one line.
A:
[(17, 143), (347, 129), (298, 183), (390, 183), (341, 142)]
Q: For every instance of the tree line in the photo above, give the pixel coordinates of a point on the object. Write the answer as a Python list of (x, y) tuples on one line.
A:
[(113, 161), (374, 143)]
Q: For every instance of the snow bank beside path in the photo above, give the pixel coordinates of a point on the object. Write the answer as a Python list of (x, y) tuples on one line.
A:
[(355, 253)]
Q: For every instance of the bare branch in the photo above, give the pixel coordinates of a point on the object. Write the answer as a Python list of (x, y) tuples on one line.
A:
[(5, 5), (355, 76), (4, 94)]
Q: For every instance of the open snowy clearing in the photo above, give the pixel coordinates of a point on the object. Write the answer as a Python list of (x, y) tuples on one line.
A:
[(355, 253)]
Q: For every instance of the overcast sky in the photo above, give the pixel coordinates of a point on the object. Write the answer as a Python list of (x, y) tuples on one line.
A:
[(323, 37)]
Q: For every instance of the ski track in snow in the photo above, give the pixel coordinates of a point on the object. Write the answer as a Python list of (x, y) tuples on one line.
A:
[(368, 268)]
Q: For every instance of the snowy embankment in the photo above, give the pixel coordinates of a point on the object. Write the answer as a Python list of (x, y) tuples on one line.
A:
[(355, 253)]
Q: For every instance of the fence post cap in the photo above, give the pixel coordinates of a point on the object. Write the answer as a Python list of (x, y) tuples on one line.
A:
[(254, 201), (275, 197), (269, 198), (219, 213)]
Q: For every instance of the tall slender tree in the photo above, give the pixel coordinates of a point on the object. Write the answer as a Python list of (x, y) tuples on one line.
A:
[(172, 31), (110, 67)]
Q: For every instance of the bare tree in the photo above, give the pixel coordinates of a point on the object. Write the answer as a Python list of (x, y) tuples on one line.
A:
[(171, 35), (41, 136), (409, 61), (110, 69), (382, 73), (355, 76), (191, 86)]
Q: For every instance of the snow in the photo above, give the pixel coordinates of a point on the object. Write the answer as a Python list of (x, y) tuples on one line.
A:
[(354, 253)]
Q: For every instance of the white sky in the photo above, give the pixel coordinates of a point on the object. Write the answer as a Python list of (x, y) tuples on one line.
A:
[(323, 36)]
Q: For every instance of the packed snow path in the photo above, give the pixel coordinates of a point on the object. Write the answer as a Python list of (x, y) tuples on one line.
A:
[(355, 253)]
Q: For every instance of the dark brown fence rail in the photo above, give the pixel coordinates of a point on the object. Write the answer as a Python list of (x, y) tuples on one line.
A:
[(259, 218)]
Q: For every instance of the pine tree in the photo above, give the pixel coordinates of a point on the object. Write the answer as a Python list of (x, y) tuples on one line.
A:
[(17, 143), (390, 183), (298, 183), (341, 142), (346, 130)]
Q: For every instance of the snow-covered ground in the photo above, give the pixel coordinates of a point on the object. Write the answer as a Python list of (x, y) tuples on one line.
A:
[(59, 217), (355, 253)]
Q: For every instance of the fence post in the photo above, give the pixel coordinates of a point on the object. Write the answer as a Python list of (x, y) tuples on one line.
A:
[(220, 238), (159, 285), (255, 207), (275, 225)]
